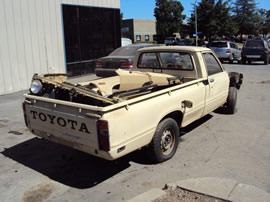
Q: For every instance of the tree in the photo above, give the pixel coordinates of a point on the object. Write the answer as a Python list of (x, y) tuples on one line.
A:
[(169, 17), (226, 26), (246, 17), (264, 25), (214, 20)]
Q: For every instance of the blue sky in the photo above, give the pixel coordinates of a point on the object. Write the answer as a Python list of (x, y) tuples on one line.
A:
[(144, 9)]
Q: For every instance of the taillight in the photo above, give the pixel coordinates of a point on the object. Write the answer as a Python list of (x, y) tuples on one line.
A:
[(103, 135), (228, 50), (98, 64), (126, 65), (24, 114), (265, 50)]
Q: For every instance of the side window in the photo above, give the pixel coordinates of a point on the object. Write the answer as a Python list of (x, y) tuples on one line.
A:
[(212, 65), (148, 60)]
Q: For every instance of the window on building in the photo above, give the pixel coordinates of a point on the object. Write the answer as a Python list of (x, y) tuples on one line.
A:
[(138, 38), (147, 38), (89, 33)]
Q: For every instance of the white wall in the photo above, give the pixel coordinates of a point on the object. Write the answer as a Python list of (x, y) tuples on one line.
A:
[(31, 39)]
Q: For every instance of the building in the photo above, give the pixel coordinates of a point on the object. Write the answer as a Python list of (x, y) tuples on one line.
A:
[(138, 30), (51, 36)]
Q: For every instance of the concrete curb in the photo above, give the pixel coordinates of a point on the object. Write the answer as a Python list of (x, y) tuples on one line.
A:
[(218, 187), (150, 195)]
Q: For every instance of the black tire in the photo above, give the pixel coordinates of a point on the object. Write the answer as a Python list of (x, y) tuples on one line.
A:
[(231, 59), (266, 61), (239, 60), (231, 101), (165, 141)]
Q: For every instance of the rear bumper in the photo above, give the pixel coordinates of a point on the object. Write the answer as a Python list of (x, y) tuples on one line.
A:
[(223, 55), (254, 57), (81, 147)]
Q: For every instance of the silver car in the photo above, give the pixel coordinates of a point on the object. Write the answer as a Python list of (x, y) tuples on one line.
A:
[(226, 50)]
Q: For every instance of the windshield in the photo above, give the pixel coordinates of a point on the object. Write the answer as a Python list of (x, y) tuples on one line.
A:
[(219, 44), (125, 51)]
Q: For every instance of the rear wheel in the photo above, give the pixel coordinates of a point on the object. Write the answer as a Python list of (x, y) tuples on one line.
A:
[(231, 101), (165, 141), (239, 60), (266, 61), (231, 59)]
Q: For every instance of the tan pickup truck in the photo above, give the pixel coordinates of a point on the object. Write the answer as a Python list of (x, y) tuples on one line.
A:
[(168, 88)]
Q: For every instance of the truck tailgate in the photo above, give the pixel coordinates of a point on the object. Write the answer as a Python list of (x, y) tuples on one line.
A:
[(62, 124)]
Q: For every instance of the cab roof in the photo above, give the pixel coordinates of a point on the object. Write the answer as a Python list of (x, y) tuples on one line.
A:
[(175, 48)]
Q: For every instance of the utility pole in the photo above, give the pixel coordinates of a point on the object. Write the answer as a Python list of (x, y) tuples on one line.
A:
[(196, 25)]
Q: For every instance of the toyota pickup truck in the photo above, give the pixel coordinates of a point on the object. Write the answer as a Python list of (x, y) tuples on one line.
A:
[(145, 107)]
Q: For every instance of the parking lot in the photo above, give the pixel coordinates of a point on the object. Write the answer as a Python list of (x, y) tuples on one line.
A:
[(227, 146)]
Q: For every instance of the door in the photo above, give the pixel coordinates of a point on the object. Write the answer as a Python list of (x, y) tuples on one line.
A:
[(217, 84), (235, 50), (89, 33)]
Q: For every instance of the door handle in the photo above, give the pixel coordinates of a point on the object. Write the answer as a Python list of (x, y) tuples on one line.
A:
[(212, 80)]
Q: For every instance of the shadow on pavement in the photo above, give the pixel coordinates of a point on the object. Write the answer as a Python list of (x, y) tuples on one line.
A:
[(195, 124), (75, 168), (65, 165)]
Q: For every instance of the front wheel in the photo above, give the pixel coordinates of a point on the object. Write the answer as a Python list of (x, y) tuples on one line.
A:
[(231, 101), (165, 141)]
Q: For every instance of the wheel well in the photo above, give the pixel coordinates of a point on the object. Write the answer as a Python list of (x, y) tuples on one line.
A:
[(236, 79), (176, 115), (116, 87)]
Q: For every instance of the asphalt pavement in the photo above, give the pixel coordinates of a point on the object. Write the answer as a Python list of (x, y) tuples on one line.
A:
[(232, 148)]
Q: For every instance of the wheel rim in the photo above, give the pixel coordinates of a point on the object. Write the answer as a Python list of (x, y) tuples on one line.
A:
[(167, 142)]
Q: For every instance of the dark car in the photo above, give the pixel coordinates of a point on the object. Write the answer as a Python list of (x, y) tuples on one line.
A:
[(171, 41), (255, 50), (184, 43), (121, 57), (175, 41)]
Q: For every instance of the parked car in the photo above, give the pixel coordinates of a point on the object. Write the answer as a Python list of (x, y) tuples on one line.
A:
[(175, 41), (112, 117), (121, 57), (255, 50), (226, 50), (184, 43), (171, 41), (125, 41)]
